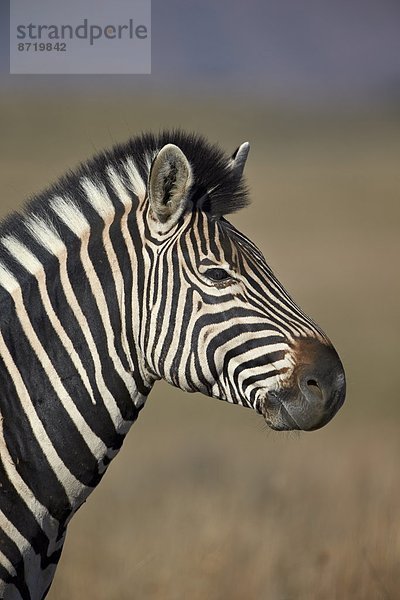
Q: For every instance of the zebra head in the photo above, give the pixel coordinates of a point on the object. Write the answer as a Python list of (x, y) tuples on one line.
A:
[(218, 320)]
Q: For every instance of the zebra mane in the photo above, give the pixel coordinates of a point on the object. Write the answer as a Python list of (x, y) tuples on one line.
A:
[(217, 188)]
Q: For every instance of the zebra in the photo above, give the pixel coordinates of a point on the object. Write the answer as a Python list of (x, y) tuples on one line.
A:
[(124, 272)]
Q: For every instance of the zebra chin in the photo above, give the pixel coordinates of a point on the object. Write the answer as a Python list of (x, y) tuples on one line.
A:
[(313, 394)]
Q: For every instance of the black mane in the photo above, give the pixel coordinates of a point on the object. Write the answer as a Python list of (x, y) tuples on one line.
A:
[(212, 173), (213, 176), (214, 182)]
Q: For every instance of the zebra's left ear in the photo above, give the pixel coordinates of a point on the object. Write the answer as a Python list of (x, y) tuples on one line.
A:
[(239, 158), (169, 182)]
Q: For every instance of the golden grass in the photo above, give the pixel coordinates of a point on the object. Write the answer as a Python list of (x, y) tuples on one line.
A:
[(203, 501)]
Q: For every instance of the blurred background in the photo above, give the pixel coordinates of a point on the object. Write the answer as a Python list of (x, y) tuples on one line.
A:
[(204, 501)]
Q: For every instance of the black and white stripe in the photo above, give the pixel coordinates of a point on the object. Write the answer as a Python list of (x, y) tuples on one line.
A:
[(104, 289)]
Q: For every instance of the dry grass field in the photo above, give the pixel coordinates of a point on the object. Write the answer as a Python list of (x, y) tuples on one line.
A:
[(203, 501)]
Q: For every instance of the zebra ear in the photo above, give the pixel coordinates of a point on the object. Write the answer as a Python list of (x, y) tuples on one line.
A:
[(239, 158), (169, 183)]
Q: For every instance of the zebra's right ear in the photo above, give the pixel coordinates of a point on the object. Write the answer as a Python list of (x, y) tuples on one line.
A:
[(239, 158), (169, 182)]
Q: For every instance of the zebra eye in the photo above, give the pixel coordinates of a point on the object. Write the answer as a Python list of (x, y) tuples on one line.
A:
[(217, 274)]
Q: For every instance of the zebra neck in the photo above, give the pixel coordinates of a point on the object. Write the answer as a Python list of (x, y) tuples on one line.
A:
[(72, 377)]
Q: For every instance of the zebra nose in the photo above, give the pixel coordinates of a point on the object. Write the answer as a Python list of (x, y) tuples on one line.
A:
[(313, 394), (321, 381)]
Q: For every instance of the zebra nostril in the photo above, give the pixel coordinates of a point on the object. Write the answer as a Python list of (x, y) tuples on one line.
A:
[(314, 389), (320, 375)]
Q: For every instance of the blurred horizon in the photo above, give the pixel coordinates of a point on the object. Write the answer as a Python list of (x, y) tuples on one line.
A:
[(306, 54)]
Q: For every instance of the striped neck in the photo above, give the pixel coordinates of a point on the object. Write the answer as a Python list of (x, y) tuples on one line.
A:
[(71, 297)]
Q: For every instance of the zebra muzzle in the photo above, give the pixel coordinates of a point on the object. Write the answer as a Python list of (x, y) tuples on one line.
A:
[(313, 394)]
